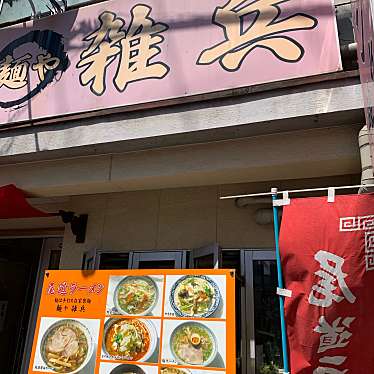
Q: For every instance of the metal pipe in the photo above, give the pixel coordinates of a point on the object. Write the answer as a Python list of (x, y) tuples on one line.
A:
[(367, 173), (349, 51), (274, 192), (297, 191)]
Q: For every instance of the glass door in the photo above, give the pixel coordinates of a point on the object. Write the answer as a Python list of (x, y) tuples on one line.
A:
[(263, 325)]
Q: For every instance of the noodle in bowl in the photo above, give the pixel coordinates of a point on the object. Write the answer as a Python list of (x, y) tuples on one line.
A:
[(193, 343), (195, 296), (172, 370), (67, 346), (136, 296), (129, 339)]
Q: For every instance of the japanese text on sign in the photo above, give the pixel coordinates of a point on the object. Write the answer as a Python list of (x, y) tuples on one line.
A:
[(131, 53)]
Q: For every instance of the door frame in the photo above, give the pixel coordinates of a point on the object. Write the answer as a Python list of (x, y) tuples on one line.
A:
[(248, 256), (48, 246)]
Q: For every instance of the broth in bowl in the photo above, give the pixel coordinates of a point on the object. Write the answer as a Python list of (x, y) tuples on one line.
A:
[(127, 339), (193, 344), (65, 347), (136, 295)]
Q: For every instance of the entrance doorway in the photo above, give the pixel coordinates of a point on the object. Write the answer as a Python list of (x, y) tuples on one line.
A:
[(263, 331), (21, 261)]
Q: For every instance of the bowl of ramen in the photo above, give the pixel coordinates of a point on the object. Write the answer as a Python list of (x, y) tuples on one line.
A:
[(170, 370), (136, 296), (127, 369), (195, 296), (193, 343), (129, 339), (67, 346)]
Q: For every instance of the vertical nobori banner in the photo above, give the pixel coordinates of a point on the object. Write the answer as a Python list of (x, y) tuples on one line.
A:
[(328, 261)]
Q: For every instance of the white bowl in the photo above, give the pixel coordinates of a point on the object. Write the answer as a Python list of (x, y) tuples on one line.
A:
[(147, 311), (213, 337), (152, 335), (153, 340), (86, 332), (216, 300)]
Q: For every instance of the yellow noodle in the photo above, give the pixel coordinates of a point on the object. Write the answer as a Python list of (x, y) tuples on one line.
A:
[(63, 363)]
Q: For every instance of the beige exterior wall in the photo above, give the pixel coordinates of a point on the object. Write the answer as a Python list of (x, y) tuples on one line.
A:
[(168, 198), (180, 218), (293, 155)]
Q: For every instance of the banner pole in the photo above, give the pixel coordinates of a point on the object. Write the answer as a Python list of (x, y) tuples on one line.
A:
[(274, 192)]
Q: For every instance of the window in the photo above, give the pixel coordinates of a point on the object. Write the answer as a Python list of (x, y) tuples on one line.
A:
[(114, 260), (159, 259), (207, 257)]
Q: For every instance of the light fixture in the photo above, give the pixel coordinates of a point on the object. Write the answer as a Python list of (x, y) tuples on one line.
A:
[(78, 224)]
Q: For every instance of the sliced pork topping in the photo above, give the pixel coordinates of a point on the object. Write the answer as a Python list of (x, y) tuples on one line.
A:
[(66, 347), (193, 343), (190, 354), (71, 349), (64, 341)]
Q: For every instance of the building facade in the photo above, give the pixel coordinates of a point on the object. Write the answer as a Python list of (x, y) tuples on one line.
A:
[(149, 177)]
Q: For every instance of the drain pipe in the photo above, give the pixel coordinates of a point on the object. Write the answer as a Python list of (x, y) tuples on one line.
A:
[(367, 172)]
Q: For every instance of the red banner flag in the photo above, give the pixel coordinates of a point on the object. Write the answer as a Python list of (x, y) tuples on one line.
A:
[(13, 204), (327, 254)]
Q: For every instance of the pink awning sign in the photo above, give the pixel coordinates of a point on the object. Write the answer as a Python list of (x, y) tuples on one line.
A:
[(117, 54)]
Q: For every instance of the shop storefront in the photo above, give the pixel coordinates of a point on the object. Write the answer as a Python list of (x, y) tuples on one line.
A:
[(164, 229), (141, 163)]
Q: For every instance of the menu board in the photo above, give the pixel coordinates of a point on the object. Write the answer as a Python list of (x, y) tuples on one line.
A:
[(136, 322)]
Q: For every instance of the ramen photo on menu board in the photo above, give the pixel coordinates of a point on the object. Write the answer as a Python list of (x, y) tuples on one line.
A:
[(195, 296), (129, 339), (66, 346), (136, 295), (193, 343)]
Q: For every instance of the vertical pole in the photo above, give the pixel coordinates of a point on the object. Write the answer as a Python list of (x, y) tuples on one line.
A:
[(280, 283)]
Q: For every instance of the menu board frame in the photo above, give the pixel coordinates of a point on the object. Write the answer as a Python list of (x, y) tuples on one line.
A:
[(196, 339)]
